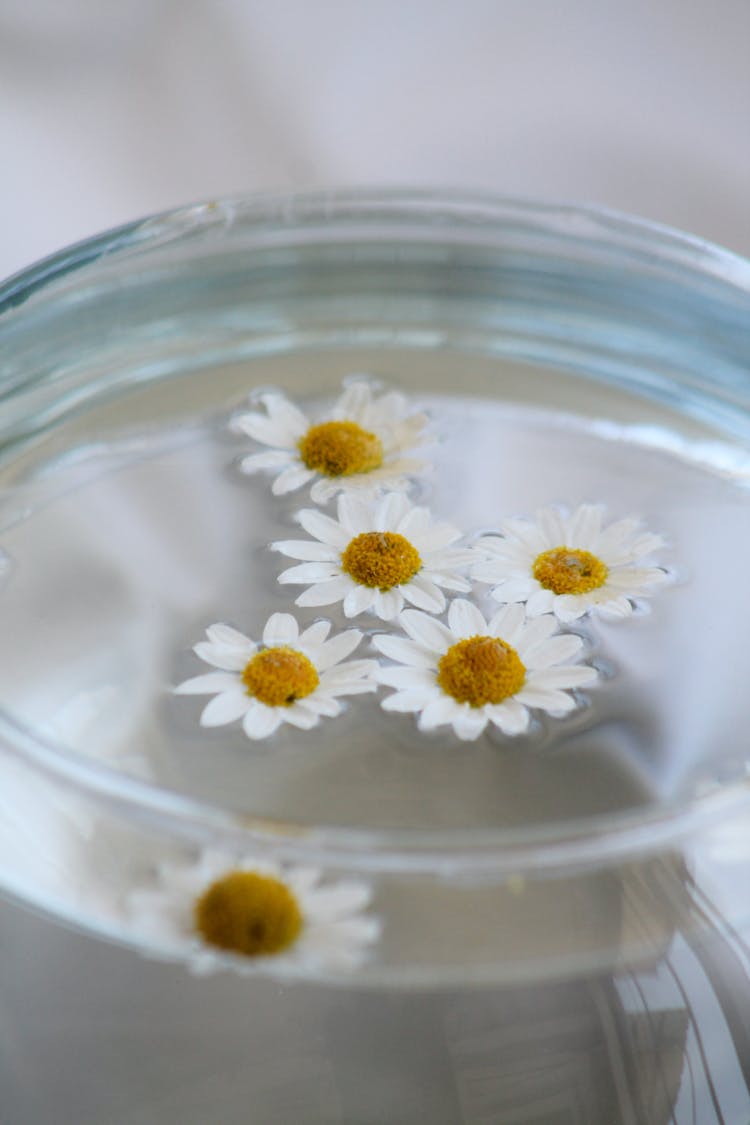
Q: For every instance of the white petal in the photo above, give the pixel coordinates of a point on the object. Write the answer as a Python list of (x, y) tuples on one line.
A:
[(610, 541), (273, 459), (281, 629), (300, 717), (391, 511), (355, 515), (291, 479), (415, 523), (563, 677), (527, 535), (222, 634), (541, 601), (633, 579), (388, 603), (569, 607), (508, 623), (465, 620), (536, 630), (265, 431), (324, 528), (412, 700), (285, 415), (354, 401), (307, 572), (406, 652), (330, 903), (325, 593), (469, 725), (222, 656), (437, 713), (426, 631), (349, 672), (358, 600), (403, 678), (616, 608), (318, 704), (582, 527), (261, 721), (423, 594), (510, 589), (552, 526), (306, 550), (207, 684), (337, 649), (316, 633), (511, 717), (556, 702), (225, 708), (554, 651)]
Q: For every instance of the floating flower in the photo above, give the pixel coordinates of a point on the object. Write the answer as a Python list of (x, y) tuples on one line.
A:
[(472, 672), (361, 446), (295, 678), (570, 565), (254, 912), (373, 557)]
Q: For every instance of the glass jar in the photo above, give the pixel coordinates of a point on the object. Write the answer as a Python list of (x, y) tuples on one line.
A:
[(560, 925)]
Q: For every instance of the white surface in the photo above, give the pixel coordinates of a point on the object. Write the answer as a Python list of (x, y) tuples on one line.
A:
[(109, 111)]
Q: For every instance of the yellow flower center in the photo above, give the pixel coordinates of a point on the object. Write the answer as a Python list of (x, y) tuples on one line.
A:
[(248, 913), (381, 559), (481, 670), (568, 570), (278, 676), (338, 449)]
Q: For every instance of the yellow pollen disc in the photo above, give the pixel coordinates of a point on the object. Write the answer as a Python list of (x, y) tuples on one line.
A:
[(481, 670), (248, 913), (381, 559), (338, 449), (278, 676), (568, 570)]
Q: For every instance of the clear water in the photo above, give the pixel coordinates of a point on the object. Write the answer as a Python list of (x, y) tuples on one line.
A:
[(129, 535)]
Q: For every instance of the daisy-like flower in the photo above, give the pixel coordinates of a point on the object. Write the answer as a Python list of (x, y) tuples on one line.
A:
[(375, 556), (254, 912), (570, 565), (361, 446), (472, 672), (294, 678)]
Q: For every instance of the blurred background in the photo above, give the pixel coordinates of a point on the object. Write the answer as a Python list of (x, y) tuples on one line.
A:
[(111, 111)]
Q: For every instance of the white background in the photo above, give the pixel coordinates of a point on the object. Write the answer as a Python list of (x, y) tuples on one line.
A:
[(109, 111)]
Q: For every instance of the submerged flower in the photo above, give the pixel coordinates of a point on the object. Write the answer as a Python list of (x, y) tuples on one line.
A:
[(255, 911), (373, 557), (295, 678), (472, 672), (570, 565), (362, 445)]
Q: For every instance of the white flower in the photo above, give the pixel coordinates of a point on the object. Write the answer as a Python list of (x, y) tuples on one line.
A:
[(361, 445), (472, 672), (570, 565), (295, 678), (252, 914), (375, 556)]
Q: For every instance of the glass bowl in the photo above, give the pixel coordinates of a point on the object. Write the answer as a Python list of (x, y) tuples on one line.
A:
[(590, 870)]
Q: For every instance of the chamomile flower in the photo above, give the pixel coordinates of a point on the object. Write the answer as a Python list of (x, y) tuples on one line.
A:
[(472, 672), (292, 678), (571, 564), (376, 556), (251, 913), (363, 445)]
